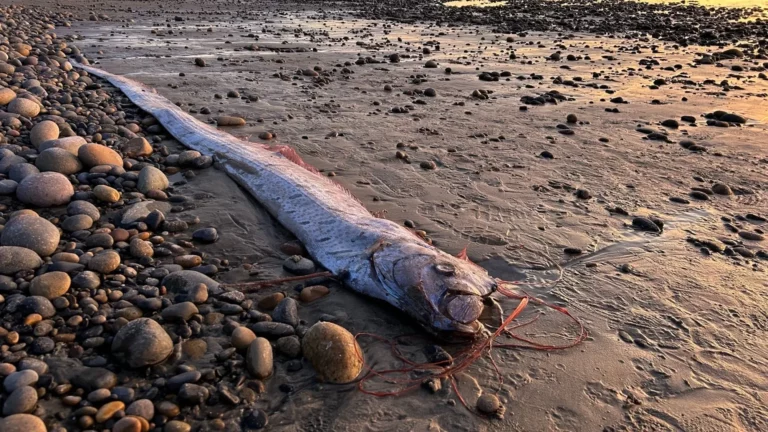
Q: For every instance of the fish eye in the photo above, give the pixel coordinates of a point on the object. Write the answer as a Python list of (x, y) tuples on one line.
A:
[(445, 269)]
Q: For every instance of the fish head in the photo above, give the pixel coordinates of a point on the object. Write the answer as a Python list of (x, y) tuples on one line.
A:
[(444, 293)]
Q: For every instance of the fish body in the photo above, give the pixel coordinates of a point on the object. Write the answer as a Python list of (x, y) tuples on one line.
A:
[(373, 256)]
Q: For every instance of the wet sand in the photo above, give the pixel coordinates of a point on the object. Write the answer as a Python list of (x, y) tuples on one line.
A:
[(677, 340)]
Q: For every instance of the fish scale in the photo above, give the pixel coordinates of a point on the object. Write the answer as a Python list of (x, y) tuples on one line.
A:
[(373, 256)]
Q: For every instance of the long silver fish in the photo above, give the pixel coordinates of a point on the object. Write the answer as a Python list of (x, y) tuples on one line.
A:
[(373, 256)]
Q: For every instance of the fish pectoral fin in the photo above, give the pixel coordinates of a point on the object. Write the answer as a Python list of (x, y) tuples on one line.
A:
[(378, 245)]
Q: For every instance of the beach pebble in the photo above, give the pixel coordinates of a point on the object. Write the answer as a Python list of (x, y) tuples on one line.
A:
[(24, 107), (141, 248), (31, 232), (22, 423), (83, 208), (105, 262), (151, 178), (721, 189), (270, 302), (50, 285), (8, 187), (290, 346), (46, 189), (77, 223), (155, 343), (6, 95), (108, 410), (37, 305), (256, 419), (198, 294), (185, 280), (333, 352), (14, 259), (179, 312), (44, 131), (19, 172), (92, 155), (177, 426), (141, 408), (258, 359), (106, 194), (71, 144), (488, 404), (299, 265), (206, 235), (286, 312), (128, 424), (19, 379), (94, 378), (8, 161), (136, 147), (749, 235), (58, 160), (22, 400), (230, 121), (193, 394), (242, 337), (312, 293)]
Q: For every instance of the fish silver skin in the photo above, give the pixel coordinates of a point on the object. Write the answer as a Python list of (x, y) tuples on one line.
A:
[(373, 256)]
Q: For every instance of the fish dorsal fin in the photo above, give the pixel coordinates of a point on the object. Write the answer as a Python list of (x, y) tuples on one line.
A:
[(463, 254), (289, 153)]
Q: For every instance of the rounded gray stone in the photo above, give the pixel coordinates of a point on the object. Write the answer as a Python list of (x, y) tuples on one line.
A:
[(58, 160), (31, 232), (147, 334), (14, 259), (46, 189), (22, 400)]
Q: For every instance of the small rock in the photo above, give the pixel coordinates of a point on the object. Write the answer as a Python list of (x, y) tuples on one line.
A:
[(179, 312), (22, 400), (299, 265), (258, 359), (155, 343), (92, 155), (105, 262), (44, 131), (22, 423), (106, 194), (50, 285), (108, 410), (312, 293), (46, 189), (333, 352), (242, 337), (24, 107), (721, 189), (286, 312), (206, 235), (31, 232), (136, 147), (230, 121), (151, 178), (488, 404)]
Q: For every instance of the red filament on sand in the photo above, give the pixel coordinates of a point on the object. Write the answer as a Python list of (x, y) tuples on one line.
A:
[(464, 358)]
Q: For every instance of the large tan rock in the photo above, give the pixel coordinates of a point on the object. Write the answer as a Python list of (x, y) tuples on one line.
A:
[(94, 154), (44, 131), (333, 352)]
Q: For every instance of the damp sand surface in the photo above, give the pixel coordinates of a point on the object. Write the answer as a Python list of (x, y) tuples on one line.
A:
[(677, 336)]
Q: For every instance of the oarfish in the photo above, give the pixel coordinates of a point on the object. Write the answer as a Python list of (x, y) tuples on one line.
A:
[(371, 255)]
